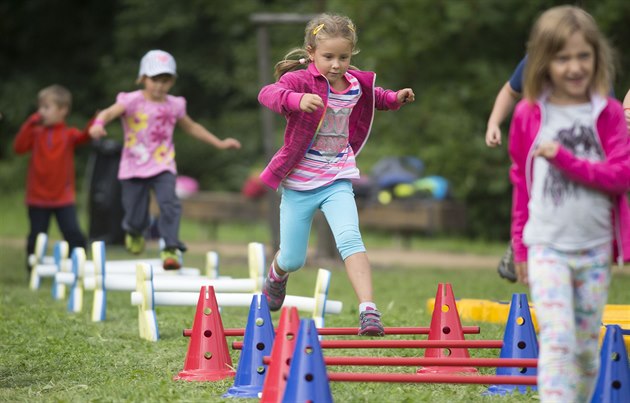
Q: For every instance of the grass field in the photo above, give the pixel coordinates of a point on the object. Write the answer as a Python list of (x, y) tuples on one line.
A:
[(47, 354)]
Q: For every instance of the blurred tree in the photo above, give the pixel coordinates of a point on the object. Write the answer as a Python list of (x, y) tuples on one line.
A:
[(456, 54)]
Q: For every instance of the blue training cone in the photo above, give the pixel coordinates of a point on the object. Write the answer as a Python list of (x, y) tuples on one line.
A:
[(613, 383), (308, 380), (257, 343), (519, 341)]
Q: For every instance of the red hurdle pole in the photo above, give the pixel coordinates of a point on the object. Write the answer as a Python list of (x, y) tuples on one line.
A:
[(432, 378), (237, 345), (419, 361), (352, 331)]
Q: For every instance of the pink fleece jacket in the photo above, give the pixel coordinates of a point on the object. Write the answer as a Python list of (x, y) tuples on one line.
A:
[(611, 175), (284, 97)]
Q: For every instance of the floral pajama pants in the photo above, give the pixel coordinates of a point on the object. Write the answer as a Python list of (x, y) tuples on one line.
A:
[(569, 292)]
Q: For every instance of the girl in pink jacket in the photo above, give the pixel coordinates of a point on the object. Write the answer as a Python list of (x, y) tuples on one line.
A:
[(570, 154), (329, 107)]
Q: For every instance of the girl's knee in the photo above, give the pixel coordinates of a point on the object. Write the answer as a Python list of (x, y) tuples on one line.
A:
[(290, 263), (349, 242)]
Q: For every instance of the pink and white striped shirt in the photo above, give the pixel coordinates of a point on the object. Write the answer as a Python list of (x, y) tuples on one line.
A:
[(330, 156)]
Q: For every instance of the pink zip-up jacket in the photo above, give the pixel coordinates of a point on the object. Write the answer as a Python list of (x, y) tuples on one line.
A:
[(284, 97), (611, 175)]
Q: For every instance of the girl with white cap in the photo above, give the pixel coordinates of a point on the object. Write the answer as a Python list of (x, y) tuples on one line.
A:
[(147, 163)]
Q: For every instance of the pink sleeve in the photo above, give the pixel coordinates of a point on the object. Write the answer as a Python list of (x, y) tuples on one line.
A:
[(385, 99), (125, 98), (280, 96), (518, 149), (179, 106)]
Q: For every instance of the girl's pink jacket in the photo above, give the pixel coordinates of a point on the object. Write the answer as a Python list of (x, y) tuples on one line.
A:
[(611, 175), (284, 97)]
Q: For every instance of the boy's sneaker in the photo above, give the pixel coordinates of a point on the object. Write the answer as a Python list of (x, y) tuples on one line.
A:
[(506, 266), (170, 259), (134, 243), (370, 323), (275, 291)]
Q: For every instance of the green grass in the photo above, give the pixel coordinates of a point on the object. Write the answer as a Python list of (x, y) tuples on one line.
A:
[(47, 354)]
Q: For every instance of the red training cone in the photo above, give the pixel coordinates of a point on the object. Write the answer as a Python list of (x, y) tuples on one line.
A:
[(281, 354), (445, 325), (208, 358)]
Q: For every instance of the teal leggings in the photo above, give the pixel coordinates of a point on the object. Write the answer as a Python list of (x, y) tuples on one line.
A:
[(297, 208)]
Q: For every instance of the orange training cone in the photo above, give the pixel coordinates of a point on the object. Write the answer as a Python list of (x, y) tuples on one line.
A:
[(445, 325), (281, 354), (208, 357)]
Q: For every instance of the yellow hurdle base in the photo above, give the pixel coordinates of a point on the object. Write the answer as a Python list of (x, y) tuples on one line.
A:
[(483, 310)]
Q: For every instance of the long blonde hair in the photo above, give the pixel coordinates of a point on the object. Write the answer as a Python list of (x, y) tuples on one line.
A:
[(324, 26), (550, 34)]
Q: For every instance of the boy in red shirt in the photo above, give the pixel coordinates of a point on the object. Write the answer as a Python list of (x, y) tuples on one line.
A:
[(50, 178)]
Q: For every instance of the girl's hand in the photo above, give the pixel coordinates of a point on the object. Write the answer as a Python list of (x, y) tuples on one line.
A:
[(310, 103), (229, 143), (405, 96), (493, 135), (547, 149), (521, 272), (96, 131), (626, 113)]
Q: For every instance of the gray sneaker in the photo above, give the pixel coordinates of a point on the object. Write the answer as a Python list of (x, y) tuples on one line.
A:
[(370, 323), (275, 291), (506, 266)]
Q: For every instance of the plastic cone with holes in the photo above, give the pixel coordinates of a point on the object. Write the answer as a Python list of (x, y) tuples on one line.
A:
[(257, 343), (613, 383), (519, 341), (445, 325), (308, 379), (208, 357), (281, 354)]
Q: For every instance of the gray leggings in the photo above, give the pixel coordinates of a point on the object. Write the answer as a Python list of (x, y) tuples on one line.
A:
[(136, 198)]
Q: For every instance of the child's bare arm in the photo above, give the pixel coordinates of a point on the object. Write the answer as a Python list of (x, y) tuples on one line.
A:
[(503, 105), (626, 109), (199, 132), (97, 130)]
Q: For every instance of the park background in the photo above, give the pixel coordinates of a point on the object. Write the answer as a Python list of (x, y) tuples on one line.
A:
[(455, 54)]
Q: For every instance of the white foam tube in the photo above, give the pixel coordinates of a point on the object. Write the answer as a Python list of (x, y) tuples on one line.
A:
[(124, 282), (46, 270), (63, 277), (232, 299)]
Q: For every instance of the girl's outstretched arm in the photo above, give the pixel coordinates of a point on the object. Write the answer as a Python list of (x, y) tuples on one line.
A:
[(97, 130), (503, 105), (201, 133)]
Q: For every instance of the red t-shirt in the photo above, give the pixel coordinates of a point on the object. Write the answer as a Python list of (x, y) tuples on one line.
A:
[(50, 180)]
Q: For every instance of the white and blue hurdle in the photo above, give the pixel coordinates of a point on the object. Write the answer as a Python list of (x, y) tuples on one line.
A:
[(90, 275), (171, 281), (147, 296), (43, 266)]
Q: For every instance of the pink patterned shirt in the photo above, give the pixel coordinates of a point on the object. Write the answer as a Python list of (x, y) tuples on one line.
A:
[(330, 157), (148, 127)]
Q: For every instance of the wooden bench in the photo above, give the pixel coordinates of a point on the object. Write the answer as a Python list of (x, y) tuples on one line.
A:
[(403, 217)]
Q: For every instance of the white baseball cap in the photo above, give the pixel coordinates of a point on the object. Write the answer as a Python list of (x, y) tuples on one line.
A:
[(157, 62)]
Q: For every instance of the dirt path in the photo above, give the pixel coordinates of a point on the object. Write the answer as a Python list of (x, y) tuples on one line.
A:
[(378, 257)]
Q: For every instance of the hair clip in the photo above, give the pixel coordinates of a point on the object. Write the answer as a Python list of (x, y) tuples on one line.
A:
[(302, 61), (317, 29), (351, 27)]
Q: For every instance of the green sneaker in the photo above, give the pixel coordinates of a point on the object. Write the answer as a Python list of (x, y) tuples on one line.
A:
[(134, 243), (170, 259)]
